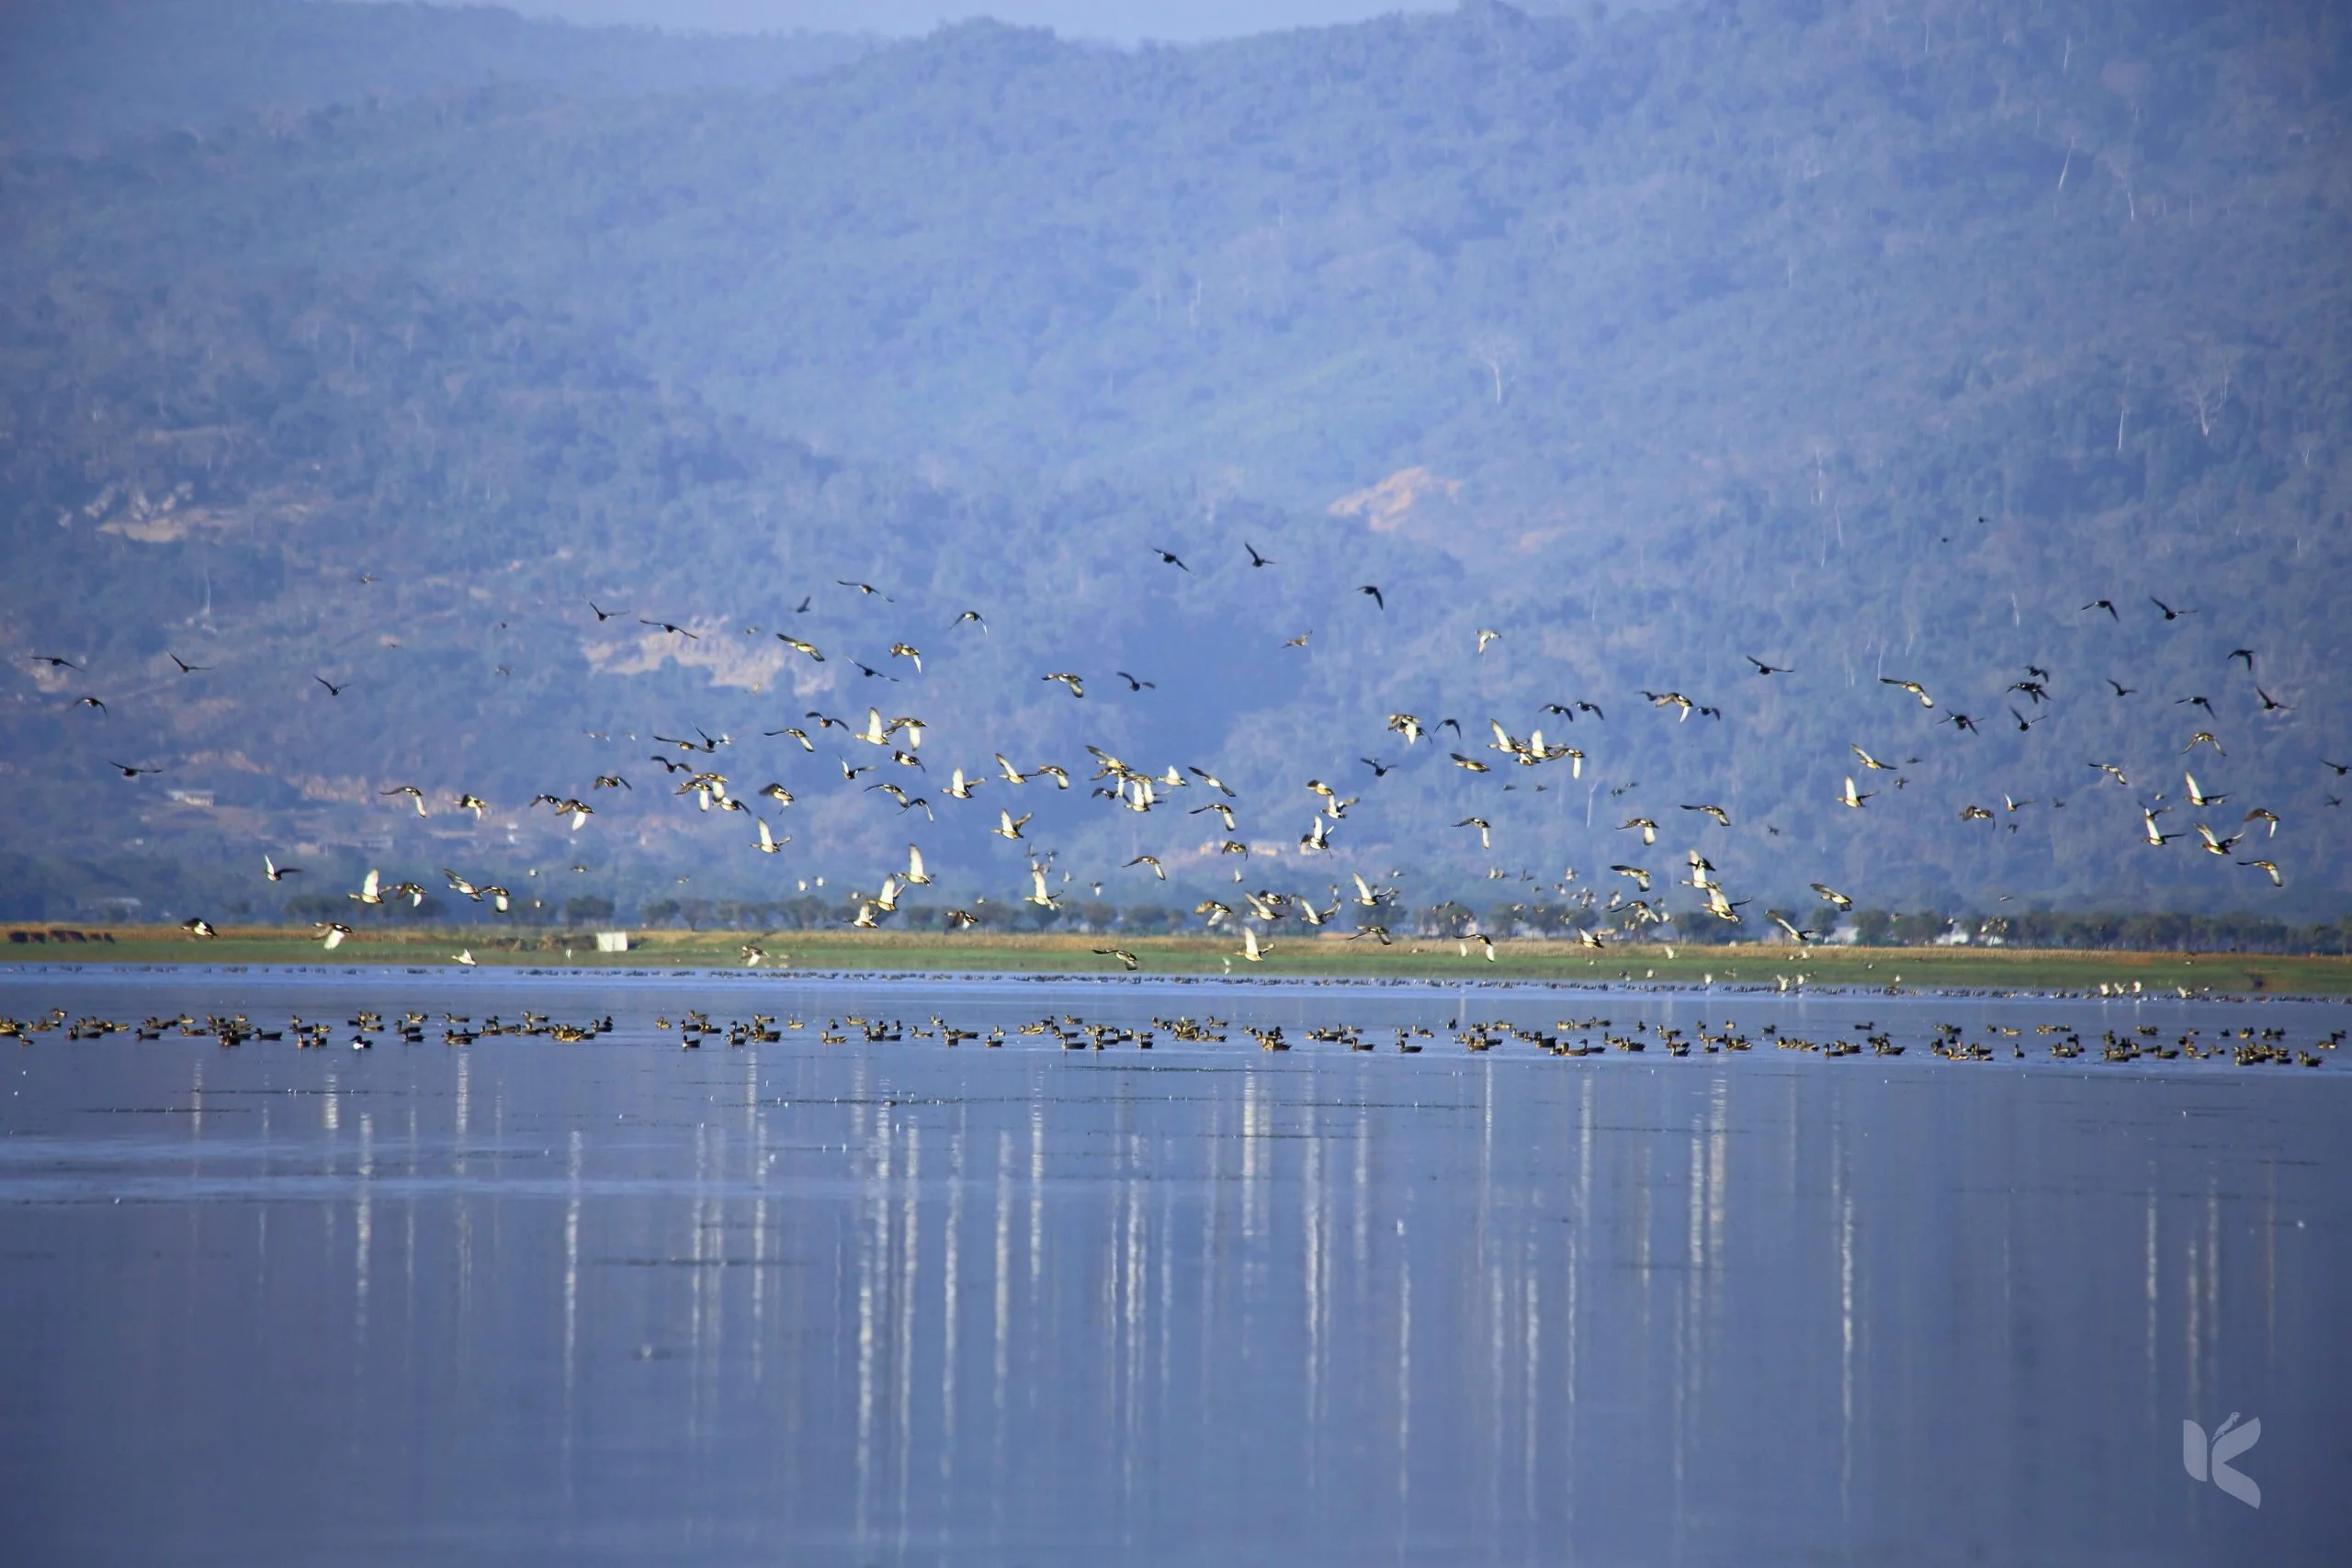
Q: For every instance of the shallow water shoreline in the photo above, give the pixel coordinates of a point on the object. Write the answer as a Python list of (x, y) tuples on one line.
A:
[(1680, 979)]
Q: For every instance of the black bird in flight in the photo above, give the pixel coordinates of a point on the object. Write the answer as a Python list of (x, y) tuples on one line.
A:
[(866, 588), (2121, 689), (1134, 684), (604, 615), (674, 631), (1255, 558), (1167, 557), (2244, 653), (1764, 669), (1379, 769), (2170, 614), (1376, 599), (90, 702), (126, 770), (185, 668), (333, 690), (53, 661), (2107, 604)]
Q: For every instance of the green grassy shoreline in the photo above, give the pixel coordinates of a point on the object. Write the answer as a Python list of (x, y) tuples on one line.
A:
[(1430, 959)]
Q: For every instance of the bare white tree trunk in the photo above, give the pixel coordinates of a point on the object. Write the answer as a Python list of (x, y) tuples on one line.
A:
[(2207, 385), (1495, 369), (2119, 165), (2206, 399), (1493, 350)]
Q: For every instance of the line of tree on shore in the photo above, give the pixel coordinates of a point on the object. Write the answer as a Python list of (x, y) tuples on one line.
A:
[(2111, 930)]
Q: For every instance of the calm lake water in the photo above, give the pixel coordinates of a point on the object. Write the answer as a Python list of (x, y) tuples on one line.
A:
[(894, 1303)]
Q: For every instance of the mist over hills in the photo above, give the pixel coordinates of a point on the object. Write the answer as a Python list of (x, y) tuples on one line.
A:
[(79, 76), (1868, 341)]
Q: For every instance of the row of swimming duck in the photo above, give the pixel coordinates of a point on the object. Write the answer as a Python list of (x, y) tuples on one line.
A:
[(1569, 1037)]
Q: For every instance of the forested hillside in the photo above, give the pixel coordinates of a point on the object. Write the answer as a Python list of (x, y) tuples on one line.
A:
[(1865, 340)]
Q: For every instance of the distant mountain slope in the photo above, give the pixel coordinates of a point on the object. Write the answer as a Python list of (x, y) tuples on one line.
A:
[(82, 75), (1688, 247), (1877, 344)]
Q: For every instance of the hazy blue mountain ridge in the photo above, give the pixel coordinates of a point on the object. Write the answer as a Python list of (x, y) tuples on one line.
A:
[(80, 75), (1647, 345)]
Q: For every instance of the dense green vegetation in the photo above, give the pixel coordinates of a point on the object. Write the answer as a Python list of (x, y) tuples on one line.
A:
[(1866, 340)]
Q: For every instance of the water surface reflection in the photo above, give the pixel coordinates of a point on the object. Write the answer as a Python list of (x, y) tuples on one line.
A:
[(896, 1303)]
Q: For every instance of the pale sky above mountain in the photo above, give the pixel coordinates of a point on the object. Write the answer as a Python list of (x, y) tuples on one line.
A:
[(1126, 21)]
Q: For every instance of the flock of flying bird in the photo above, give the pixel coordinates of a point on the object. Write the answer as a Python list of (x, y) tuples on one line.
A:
[(894, 754)]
